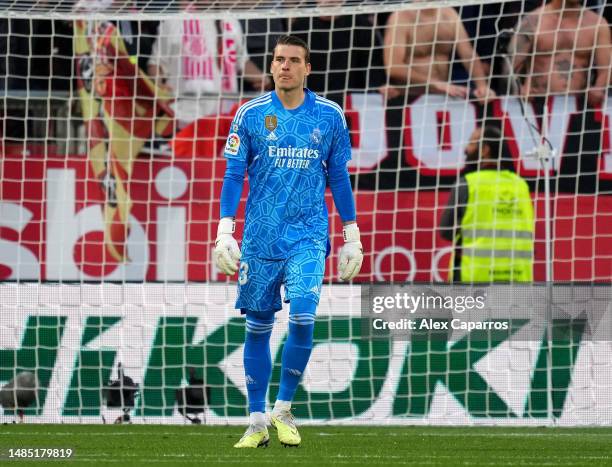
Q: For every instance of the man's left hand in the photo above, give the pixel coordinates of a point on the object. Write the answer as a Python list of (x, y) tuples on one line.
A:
[(351, 254)]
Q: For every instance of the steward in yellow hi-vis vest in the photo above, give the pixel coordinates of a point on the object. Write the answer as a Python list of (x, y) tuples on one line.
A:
[(489, 218), (497, 229)]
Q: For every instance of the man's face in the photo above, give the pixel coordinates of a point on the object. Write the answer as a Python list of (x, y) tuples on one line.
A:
[(289, 67), (472, 150)]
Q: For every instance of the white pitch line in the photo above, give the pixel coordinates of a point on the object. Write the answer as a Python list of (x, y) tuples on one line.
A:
[(463, 435), (399, 433)]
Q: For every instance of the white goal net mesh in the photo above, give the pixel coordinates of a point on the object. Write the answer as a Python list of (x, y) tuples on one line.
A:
[(114, 119)]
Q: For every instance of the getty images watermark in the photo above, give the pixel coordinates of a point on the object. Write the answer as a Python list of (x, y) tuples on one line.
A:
[(450, 312)]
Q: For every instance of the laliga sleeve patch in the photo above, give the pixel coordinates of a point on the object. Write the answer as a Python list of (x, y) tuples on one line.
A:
[(233, 144)]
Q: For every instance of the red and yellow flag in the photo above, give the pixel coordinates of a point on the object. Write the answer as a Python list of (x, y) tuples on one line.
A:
[(122, 108)]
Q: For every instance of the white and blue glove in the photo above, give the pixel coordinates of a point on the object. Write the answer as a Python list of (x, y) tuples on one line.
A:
[(351, 254), (226, 253)]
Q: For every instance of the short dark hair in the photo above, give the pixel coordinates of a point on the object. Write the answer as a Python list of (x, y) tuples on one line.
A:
[(492, 137), (294, 40)]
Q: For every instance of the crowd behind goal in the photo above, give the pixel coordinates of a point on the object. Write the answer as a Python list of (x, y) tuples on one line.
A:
[(448, 51)]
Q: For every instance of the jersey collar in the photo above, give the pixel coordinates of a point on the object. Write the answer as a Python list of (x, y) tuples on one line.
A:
[(306, 105)]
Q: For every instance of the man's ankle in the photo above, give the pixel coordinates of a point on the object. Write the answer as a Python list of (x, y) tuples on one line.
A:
[(258, 419), (281, 406)]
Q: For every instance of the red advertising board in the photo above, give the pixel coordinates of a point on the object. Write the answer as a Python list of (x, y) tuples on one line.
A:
[(51, 222), (51, 226)]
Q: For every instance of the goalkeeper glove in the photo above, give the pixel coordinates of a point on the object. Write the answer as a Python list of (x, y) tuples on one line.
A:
[(351, 254), (227, 253)]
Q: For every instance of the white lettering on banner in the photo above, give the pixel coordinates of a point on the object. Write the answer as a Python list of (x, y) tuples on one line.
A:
[(605, 169), (435, 264), (72, 248), (436, 268), (437, 130), (372, 130), (144, 306), (315, 379), (65, 228), (561, 110), (171, 245), (22, 262), (393, 250)]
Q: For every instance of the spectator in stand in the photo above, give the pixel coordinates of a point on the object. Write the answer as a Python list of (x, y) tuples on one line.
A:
[(345, 54), (138, 35), (563, 48), (484, 23), (199, 60), (419, 47)]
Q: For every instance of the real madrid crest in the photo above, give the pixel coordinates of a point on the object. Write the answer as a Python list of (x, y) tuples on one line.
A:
[(315, 136), (271, 122)]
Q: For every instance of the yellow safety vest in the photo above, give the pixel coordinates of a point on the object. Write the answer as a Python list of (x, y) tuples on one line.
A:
[(497, 229)]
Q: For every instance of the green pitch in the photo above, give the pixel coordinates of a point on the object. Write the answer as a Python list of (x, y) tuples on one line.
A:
[(179, 445)]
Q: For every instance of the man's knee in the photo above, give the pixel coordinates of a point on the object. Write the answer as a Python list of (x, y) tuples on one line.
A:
[(259, 325), (265, 316), (301, 321)]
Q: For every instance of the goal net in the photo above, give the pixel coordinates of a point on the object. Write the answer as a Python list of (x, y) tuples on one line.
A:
[(115, 115)]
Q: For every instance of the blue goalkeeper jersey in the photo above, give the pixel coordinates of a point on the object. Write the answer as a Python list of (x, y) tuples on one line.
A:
[(287, 153)]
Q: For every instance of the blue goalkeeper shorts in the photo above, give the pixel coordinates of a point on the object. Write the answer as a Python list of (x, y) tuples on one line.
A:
[(260, 280)]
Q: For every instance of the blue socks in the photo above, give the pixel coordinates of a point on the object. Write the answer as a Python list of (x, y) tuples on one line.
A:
[(257, 360), (298, 346), (296, 352)]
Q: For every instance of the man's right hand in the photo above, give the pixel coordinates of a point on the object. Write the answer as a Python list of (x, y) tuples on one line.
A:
[(596, 97), (485, 93), (226, 253), (452, 90)]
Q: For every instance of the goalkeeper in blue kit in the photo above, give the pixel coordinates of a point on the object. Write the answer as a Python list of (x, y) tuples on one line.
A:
[(292, 143)]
